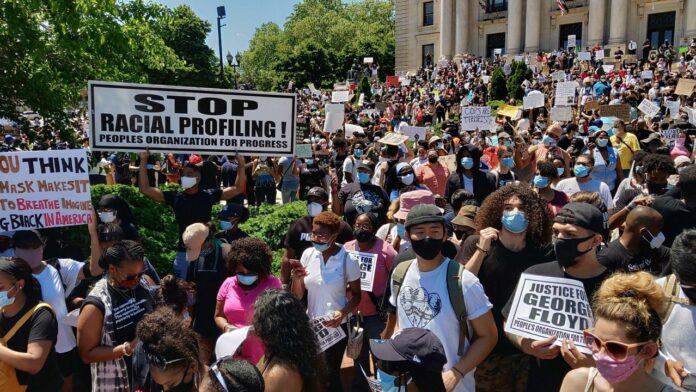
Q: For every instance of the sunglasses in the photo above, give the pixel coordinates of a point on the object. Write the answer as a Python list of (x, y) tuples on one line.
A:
[(616, 350), (159, 361), (133, 277)]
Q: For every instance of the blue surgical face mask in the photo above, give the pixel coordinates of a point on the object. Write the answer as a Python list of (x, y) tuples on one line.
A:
[(386, 381), (581, 171), (508, 144), (358, 152), (401, 230), (602, 142), (548, 141), (309, 162), (247, 280), (467, 163), (508, 162), (4, 299), (440, 145), (514, 221), (226, 225), (541, 182), (320, 247), (364, 178), (150, 166), (560, 171)]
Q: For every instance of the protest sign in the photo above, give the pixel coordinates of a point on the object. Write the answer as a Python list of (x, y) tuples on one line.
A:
[(692, 115), (229, 342), (340, 96), (393, 81), (393, 139), (313, 89), (474, 117), (558, 76), (412, 132), (43, 189), (368, 264), (361, 99), (622, 111), (646, 75), (585, 56), (485, 79), (326, 336), (685, 86), (572, 42), (561, 113), (518, 58), (406, 82), (509, 111), (368, 60), (591, 105), (303, 150), (532, 101), (599, 55), (649, 108), (672, 108), (565, 93), (449, 161), (608, 68), (544, 306), (132, 117), (352, 128), (498, 51), (334, 117), (669, 136)]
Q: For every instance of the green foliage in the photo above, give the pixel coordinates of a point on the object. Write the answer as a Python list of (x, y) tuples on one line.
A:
[(363, 88), (499, 90), (520, 72), (495, 104)]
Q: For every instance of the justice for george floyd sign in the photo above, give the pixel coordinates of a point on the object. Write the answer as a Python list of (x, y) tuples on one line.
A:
[(545, 306), (132, 117)]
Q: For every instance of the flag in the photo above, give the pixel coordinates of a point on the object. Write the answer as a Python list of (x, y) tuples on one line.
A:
[(562, 6), (484, 5)]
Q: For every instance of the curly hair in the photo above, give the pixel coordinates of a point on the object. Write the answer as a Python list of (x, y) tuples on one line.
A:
[(329, 220), (238, 375), (172, 293), (251, 253), (282, 324), (491, 212), (658, 162), (165, 339)]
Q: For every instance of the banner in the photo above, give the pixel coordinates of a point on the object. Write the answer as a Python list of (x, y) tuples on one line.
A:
[(413, 133), (685, 86), (622, 111), (326, 336), (132, 117), (334, 117), (476, 117), (42, 189), (544, 306), (649, 108), (532, 101), (367, 263), (561, 113)]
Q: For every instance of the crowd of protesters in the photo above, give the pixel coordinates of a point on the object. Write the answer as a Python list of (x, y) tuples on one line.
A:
[(608, 202)]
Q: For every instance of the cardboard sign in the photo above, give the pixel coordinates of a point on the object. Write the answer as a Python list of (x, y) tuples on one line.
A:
[(544, 306), (393, 81), (340, 96), (326, 336), (476, 117), (649, 108), (646, 75), (561, 113), (413, 133), (509, 111), (368, 60), (585, 56), (368, 264), (393, 139), (42, 189), (132, 117), (685, 86), (449, 161), (303, 150), (334, 117), (565, 93), (672, 108), (591, 105), (532, 101), (622, 111)]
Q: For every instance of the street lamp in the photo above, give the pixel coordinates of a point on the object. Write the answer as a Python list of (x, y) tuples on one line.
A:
[(230, 61), (220, 16)]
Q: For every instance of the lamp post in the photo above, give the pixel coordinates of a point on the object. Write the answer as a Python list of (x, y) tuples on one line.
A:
[(220, 16), (231, 61)]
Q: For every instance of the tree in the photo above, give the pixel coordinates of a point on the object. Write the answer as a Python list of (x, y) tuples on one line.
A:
[(262, 60), (519, 74), (363, 88), (499, 89)]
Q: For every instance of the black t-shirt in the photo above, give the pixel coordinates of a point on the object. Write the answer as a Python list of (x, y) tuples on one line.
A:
[(300, 231), (676, 215), (616, 258), (499, 180), (128, 308), (564, 142), (192, 208), (229, 177), (209, 176), (208, 274), (310, 177), (499, 273), (547, 375), (42, 325), (357, 198)]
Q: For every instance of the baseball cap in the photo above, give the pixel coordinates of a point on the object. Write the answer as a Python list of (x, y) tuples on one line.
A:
[(593, 129), (194, 236), (678, 161), (318, 192), (424, 213), (584, 215), (368, 165), (411, 199), (417, 346), (27, 239), (233, 210), (653, 137), (466, 217)]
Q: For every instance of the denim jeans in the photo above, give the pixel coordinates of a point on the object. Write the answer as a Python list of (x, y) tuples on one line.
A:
[(373, 327), (180, 265), (289, 195)]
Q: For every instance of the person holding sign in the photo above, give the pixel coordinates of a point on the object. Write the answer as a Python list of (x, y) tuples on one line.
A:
[(578, 231), (193, 205), (625, 338), (626, 143), (376, 258)]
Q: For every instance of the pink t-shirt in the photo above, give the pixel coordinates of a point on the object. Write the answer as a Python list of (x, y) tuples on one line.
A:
[(385, 258), (239, 311)]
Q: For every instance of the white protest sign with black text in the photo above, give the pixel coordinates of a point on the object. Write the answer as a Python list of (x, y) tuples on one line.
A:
[(326, 336), (532, 101), (132, 117), (649, 108), (474, 117), (565, 93), (367, 263), (42, 189), (544, 306), (412, 132)]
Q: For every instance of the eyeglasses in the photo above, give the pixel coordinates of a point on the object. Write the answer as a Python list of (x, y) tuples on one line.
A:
[(320, 236), (364, 227), (134, 277), (616, 350), (159, 361)]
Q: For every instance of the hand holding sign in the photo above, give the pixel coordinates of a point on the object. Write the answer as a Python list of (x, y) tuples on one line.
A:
[(542, 349), (335, 320), (573, 356)]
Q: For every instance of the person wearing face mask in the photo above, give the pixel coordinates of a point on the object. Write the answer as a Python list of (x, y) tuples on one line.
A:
[(463, 225), (298, 237), (625, 337), (369, 308), (114, 209), (626, 143), (514, 234), (640, 246), (549, 148), (422, 157), (577, 234), (416, 282), (350, 163), (607, 167), (231, 216), (678, 208), (433, 174), (324, 271), (249, 260), (106, 327), (502, 174), (192, 205), (404, 180), (542, 183), (28, 354), (635, 179), (583, 182), (361, 196), (468, 176), (311, 175)]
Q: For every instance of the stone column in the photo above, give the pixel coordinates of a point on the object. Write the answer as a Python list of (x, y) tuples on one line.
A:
[(514, 26), (595, 24), (690, 14), (617, 27), (461, 38), (532, 26), (446, 11)]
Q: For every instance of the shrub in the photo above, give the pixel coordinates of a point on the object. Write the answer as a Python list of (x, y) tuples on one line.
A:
[(499, 89), (520, 72)]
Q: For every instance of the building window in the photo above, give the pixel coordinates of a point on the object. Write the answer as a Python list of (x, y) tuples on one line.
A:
[(496, 5), (428, 55), (428, 13)]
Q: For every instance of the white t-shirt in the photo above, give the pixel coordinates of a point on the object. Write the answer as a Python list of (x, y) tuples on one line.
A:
[(349, 166), (53, 294), (325, 282), (571, 186), (423, 302)]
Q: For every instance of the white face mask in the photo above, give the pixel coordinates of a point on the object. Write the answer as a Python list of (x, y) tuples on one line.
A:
[(407, 179), (107, 216), (314, 209), (188, 182)]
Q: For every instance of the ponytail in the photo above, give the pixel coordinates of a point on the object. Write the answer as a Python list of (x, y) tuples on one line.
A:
[(19, 269)]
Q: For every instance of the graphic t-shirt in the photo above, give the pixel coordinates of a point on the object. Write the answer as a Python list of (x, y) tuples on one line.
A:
[(360, 198), (129, 307), (617, 258), (423, 302)]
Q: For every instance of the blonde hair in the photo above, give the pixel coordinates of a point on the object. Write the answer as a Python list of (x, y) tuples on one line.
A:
[(634, 300), (393, 209)]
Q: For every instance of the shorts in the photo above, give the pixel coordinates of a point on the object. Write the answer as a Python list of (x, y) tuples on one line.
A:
[(68, 362)]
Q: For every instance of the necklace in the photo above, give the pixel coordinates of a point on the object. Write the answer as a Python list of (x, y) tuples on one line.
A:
[(127, 294)]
